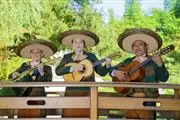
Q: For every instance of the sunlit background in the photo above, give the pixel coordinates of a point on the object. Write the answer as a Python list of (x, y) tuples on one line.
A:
[(107, 18)]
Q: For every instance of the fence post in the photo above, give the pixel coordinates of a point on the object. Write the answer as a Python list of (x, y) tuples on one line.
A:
[(94, 103)]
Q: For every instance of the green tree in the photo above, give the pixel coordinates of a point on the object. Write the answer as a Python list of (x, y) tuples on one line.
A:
[(48, 18), (169, 4), (82, 2), (177, 9)]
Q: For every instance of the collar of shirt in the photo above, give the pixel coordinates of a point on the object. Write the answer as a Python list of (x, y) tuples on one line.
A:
[(141, 58), (79, 56)]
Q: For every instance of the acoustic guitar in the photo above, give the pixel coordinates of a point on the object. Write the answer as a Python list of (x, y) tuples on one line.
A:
[(88, 69), (135, 71)]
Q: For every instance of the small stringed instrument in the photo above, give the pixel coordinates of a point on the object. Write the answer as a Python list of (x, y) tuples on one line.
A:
[(30, 71), (135, 71), (88, 69)]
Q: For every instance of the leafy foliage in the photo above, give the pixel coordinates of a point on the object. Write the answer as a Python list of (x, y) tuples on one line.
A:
[(48, 18), (177, 9)]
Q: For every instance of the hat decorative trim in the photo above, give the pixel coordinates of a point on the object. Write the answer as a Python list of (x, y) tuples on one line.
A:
[(48, 49), (151, 38), (90, 39)]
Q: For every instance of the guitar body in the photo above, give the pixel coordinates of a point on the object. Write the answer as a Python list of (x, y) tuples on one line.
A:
[(88, 69), (136, 76), (78, 76), (135, 71)]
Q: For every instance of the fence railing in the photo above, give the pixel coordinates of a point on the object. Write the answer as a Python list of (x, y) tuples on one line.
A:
[(95, 101)]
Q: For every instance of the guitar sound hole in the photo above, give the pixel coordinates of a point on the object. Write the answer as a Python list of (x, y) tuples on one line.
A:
[(84, 69)]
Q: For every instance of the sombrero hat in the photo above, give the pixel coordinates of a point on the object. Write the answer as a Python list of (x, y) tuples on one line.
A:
[(151, 38), (23, 49), (91, 39)]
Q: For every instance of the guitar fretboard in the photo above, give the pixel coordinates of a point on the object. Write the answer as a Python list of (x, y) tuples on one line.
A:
[(162, 51), (104, 59), (99, 62), (139, 66)]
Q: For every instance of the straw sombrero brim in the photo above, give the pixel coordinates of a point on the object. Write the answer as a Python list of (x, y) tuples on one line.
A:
[(48, 49), (151, 38), (90, 39)]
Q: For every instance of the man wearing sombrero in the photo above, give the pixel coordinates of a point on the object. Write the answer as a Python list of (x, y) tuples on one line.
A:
[(78, 40), (141, 41), (33, 49)]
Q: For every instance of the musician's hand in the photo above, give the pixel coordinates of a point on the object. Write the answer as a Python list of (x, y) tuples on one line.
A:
[(15, 75), (108, 62), (78, 68), (41, 69), (120, 75), (158, 60)]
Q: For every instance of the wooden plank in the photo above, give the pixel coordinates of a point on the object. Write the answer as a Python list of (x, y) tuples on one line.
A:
[(91, 84), (9, 113), (94, 103), (177, 96), (4, 112), (53, 111), (137, 103), (48, 119), (50, 102), (115, 94)]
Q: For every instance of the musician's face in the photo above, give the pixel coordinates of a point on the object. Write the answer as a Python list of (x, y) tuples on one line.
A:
[(78, 45), (139, 47), (36, 54)]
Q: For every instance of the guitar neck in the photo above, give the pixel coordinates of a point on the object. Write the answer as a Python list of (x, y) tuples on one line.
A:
[(99, 62), (139, 66), (162, 51), (114, 55)]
